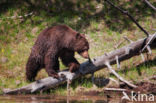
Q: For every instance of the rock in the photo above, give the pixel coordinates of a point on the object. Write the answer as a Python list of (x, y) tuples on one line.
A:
[(101, 82), (105, 82)]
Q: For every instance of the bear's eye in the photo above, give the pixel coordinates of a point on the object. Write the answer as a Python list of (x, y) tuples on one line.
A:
[(85, 48)]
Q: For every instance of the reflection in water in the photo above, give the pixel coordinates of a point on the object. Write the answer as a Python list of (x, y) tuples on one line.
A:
[(53, 99), (104, 98)]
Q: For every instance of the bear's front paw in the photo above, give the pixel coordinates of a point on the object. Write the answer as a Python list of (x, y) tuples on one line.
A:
[(73, 67)]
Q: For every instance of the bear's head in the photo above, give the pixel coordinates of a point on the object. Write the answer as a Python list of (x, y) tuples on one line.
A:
[(81, 45)]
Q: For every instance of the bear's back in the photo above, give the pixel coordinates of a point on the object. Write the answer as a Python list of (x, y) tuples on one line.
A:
[(58, 30)]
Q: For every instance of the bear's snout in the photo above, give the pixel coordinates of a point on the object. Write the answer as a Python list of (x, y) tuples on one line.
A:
[(85, 54)]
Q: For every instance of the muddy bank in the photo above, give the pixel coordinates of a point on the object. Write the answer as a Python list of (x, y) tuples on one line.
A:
[(146, 87), (143, 87)]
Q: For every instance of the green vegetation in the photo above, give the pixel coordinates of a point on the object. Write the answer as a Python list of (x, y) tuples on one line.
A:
[(103, 25)]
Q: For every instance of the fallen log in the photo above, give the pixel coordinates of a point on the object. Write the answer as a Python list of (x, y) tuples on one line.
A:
[(87, 67)]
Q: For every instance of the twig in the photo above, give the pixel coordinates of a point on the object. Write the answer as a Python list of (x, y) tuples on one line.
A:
[(112, 79), (150, 5), (128, 39), (118, 62), (126, 12), (153, 29), (142, 57), (118, 76), (115, 89), (68, 87), (149, 41), (120, 42)]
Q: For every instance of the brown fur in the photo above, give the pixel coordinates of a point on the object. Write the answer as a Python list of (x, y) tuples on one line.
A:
[(52, 43)]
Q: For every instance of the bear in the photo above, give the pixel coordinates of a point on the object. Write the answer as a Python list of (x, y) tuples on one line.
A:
[(59, 41)]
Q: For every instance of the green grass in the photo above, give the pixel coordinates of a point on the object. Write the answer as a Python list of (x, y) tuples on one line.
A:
[(103, 32)]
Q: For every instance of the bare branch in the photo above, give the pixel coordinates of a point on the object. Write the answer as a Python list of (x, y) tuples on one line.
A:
[(126, 12), (119, 44), (149, 41), (119, 77), (128, 39), (117, 62), (150, 5), (142, 57), (115, 89)]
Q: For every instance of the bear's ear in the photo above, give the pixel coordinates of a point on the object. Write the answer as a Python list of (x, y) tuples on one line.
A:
[(83, 35), (78, 36)]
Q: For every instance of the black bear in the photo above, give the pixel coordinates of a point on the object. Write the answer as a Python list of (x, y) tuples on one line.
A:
[(56, 42)]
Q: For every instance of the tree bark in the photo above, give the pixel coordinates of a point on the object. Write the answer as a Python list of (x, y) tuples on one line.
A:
[(87, 67)]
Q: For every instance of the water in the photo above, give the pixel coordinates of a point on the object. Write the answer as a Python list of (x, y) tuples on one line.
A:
[(57, 99), (81, 98)]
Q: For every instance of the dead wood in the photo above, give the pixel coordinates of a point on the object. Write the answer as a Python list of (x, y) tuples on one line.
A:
[(128, 14), (150, 5), (87, 67)]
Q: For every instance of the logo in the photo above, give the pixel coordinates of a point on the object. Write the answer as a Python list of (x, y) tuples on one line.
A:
[(138, 97)]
